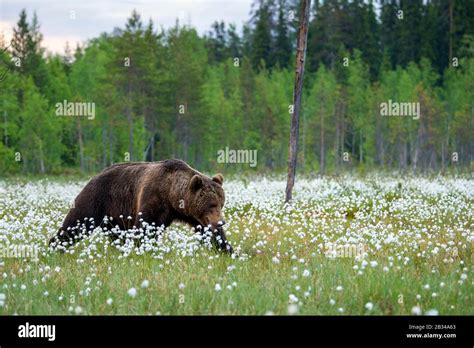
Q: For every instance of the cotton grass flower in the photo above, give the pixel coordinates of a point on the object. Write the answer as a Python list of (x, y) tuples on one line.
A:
[(292, 298), (217, 287), (132, 292), (293, 309), (369, 306), (416, 310), (432, 312), (145, 284)]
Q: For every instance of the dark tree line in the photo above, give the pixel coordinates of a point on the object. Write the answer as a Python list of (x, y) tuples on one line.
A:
[(173, 93)]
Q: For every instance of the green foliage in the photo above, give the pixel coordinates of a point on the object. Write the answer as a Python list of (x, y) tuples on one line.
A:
[(173, 93)]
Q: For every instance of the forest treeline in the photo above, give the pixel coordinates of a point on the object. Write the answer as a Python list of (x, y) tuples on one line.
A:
[(172, 93)]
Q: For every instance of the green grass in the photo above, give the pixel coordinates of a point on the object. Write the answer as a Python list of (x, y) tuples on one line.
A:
[(262, 286)]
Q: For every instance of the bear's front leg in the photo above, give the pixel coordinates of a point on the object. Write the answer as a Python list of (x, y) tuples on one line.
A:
[(161, 217), (221, 240), (218, 239)]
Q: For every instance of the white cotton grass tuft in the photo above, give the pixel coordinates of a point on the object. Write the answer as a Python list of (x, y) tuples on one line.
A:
[(369, 306), (416, 310), (431, 312), (293, 309), (145, 284), (132, 292), (292, 298)]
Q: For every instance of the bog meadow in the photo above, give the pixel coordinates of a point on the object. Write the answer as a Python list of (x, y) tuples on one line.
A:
[(381, 221)]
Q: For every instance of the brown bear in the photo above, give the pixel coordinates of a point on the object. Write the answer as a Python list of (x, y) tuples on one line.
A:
[(128, 194)]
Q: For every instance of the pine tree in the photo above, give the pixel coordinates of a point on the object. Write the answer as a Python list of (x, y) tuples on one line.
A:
[(283, 48)]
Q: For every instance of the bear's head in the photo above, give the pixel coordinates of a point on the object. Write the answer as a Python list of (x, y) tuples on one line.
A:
[(207, 199)]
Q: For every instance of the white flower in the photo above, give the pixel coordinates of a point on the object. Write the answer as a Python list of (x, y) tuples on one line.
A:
[(46, 293), (23, 287), (109, 301), (218, 287), (431, 312), (332, 302), (306, 273), (132, 292), (426, 286), (434, 294), (463, 276), (2, 297), (369, 306), (373, 263), (293, 309), (292, 298), (340, 310), (145, 284), (442, 284), (416, 310), (78, 310), (181, 286), (339, 288), (275, 260)]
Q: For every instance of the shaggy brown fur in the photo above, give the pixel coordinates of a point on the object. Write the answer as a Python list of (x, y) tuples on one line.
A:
[(162, 192)]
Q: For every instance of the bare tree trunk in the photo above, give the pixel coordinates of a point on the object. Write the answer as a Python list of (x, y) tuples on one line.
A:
[(300, 57), (322, 149), (41, 157), (336, 143)]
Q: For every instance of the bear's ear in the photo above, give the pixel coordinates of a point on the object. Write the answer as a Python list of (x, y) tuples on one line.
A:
[(196, 183), (218, 178)]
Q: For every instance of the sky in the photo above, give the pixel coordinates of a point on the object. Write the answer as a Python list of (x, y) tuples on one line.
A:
[(75, 21)]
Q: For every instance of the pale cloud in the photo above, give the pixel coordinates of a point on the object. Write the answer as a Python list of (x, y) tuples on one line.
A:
[(76, 21)]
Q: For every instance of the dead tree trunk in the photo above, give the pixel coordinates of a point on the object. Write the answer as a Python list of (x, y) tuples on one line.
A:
[(295, 116)]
